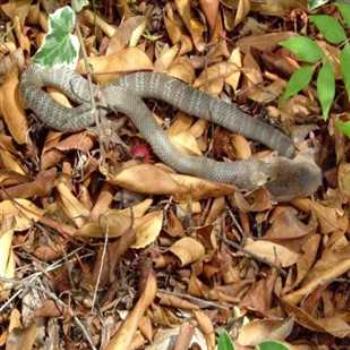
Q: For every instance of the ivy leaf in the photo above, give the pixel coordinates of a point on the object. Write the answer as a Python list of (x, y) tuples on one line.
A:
[(298, 81), (326, 88), (272, 345), (314, 4), (345, 12), (343, 127), (78, 5), (224, 341), (303, 48), (330, 28), (344, 66), (60, 47)]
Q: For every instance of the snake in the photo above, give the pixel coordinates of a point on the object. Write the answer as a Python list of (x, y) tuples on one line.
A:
[(285, 176)]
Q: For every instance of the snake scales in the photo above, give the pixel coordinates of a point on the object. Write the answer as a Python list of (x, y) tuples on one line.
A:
[(285, 178)]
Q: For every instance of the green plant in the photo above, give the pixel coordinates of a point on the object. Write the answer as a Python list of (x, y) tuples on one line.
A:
[(310, 53), (225, 343)]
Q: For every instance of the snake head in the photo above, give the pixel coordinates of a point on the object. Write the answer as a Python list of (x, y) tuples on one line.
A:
[(293, 178)]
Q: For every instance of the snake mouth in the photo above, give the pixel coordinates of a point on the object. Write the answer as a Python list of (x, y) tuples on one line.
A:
[(294, 179)]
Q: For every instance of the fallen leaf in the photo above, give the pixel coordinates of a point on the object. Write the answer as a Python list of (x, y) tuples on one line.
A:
[(24, 212), (7, 257), (71, 205), (210, 9), (192, 24), (257, 331), (206, 326), (335, 325), (11, 108), (287, 225), (263, 42), (242, 11), (272, 252), (94, 19), (125, 333), (152, 179), (108, 68), (235, 59), (148, 229), (332, 264), (187, 250)]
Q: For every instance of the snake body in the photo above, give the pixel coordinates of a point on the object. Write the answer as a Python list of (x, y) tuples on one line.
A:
[(284, 177)]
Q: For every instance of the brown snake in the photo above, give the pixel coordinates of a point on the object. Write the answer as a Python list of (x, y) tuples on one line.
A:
[(285, 178)]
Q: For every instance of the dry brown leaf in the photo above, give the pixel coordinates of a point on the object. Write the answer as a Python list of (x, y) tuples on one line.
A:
[(211, 80), (186, 143), (182, 69), (206, 326), (235, 59), (344, 179), (152, 179), (241, 146), (176, 31), (272, 252), (37, 17), (116, 222), (278, 8), (108, 68), (332, 264), (11, 108), (187, 250), (252, 73), (287, 225), (257, 331), (129, 31), (126, 332), (307, 259), (7, 256), (11, 163), (40, 186), (166, 58), (23, 210), (263, 42), (71, 205), (210, 9), (24, 338), (148, 229), (242, 11), (94, 19), (174, 301), (335, 325), (192, 24), (18, 8)]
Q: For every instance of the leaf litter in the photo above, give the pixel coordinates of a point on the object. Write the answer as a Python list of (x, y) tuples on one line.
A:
[(111, 249)]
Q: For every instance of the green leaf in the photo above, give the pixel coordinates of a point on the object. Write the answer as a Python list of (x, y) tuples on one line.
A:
[(326, 88), (60, 47), (298, 81), (330, 28), (78, 5), (303, 48), (344, 66), (224, 341), (272, 345), (343, 127), (314, 4), (345, 12)]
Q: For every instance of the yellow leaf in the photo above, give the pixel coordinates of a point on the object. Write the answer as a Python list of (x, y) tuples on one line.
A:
[(148, 229), (188, 250), (11, 108)]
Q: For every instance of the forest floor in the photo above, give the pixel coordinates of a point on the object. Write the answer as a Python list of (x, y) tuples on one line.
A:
[(102, 246)]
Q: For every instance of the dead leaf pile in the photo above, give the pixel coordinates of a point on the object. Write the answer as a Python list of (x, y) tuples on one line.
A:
[(102, 245)]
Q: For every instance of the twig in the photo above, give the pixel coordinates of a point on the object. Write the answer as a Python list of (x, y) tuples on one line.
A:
[(75, 318)]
